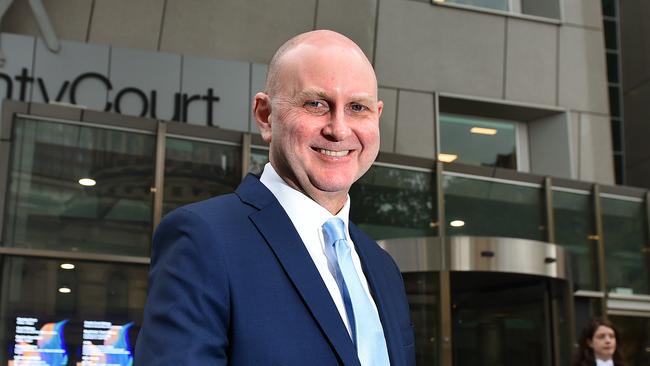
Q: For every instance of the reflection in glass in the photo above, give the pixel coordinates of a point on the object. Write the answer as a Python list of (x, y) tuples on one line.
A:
[(478, 141), (503, 320), (422, 290), (488, 208), (491, 4), (197, 170), (626, 254), (101, 298), (574, 224), (49, 208), (393, 203), (259, 158), (585, 308), (634, 338)]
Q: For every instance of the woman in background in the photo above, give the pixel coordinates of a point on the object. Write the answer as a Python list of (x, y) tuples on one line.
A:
[(598, 345)]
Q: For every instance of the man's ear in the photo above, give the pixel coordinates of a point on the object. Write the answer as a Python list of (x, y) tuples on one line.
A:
[(262, 112), (380, 108)]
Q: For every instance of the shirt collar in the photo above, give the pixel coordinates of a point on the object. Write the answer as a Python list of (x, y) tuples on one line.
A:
[(302, 210), (600, 362)]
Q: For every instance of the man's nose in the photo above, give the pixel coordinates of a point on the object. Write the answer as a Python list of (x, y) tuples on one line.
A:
[(338, 127)]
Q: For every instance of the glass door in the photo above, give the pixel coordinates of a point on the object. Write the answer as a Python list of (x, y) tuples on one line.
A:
[(502, 319)]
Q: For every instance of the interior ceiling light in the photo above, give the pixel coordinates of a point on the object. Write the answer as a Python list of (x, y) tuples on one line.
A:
[(447, 158), (438, 1), (87, 182), (457, 223), (65, 290), (483, 131), (67, 266)]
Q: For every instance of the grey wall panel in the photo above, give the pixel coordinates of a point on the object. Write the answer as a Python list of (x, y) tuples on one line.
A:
[(229, 80), (246, 30), (19, 53), (148, 71), (596, 162), (355, 19), (435, 48), (73, 60), (258, 79), (583, 78), (637, 174), (69, 18), (414, 129), (583, 12), (549, 140), (127, 23), (388, 118), (531, 66)]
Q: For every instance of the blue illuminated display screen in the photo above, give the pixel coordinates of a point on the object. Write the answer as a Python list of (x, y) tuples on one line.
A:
[(66, 342)]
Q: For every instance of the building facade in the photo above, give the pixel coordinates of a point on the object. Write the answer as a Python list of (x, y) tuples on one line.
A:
[(494, 189)]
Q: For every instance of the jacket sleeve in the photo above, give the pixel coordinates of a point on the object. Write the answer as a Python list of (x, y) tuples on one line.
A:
[(186, 316)]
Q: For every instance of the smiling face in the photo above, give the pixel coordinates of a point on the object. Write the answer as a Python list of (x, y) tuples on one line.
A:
[(322, 117), (603, 342)]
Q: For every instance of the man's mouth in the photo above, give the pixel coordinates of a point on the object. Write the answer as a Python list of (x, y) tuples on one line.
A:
[(336, 154)]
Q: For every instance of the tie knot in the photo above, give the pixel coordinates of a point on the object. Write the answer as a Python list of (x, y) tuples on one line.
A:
[(333, 230)]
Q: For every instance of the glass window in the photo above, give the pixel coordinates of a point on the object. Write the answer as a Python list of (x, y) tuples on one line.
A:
[(500, 319), (610, 35), (626, 256), (487, 208), (612, 67), (491, 4), (197, 170), (422, 290), (65, 312), (393, 203), (478, 141), (614, 101), (259, 158), (80, 188), (609, 8), (574, 223), (634, 338)]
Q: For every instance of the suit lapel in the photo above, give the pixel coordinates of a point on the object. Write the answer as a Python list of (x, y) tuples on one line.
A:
[(276, 227), (368, 251)]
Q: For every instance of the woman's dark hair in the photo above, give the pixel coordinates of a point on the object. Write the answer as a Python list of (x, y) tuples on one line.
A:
[(585, 355)]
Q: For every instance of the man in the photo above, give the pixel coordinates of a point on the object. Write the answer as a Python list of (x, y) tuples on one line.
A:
[(274, 274)]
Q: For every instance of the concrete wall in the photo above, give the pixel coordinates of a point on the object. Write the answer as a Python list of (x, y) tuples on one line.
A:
[(418, 49)]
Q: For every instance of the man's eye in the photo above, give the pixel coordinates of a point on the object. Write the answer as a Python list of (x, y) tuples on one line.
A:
[(315, 104), (356, 107)]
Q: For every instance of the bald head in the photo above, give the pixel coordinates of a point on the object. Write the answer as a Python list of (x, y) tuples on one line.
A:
[(317, 39)]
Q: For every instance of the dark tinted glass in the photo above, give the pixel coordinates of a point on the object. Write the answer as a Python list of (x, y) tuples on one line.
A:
[(612, 67), (196, 170), (393, 203), (80, 188), (502, 320), (609, 8), (422, 290), (65, 316), (626, 256), (610, 35), (614, 101), (478, 141), (617, 137), (488, 208), (574, 224)]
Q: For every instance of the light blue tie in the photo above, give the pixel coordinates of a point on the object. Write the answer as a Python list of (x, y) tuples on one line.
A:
[(365, 326)]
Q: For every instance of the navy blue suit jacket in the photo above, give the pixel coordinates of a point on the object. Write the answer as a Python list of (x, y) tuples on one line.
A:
[(231, 283)]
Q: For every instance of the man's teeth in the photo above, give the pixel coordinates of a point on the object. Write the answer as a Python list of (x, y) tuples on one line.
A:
[(334, 153)]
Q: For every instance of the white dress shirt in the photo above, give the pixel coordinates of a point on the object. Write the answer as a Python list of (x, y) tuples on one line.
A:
[(600, 362), (308, 218)]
